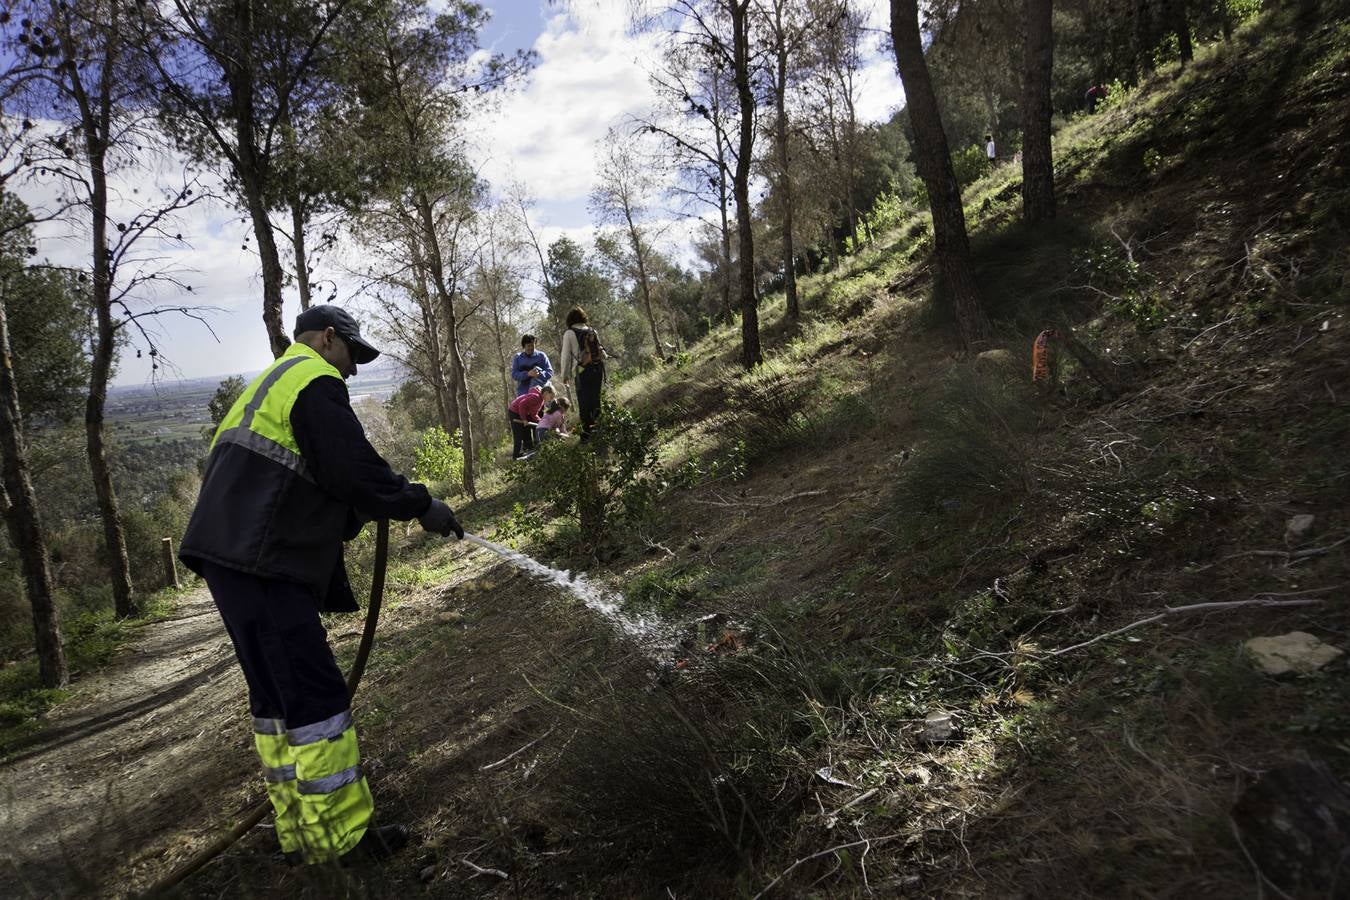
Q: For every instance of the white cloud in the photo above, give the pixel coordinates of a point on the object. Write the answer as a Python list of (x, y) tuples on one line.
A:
[(590, 77)]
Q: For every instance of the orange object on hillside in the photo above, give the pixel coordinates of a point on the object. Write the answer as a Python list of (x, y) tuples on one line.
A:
[(1042, 355)]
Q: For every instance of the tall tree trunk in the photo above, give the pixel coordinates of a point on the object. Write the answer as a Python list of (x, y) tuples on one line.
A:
[(97, 126), (253, 171), (849, 156), (951, 247), (644, 284), (1143, 37), (497, 329), (114, 538), (298, 239), (446, 409), (780, 134), (751, 354), (1038, 178), (299, 218), (1181, 27), (18, 504), (723, 202), (459, 381)]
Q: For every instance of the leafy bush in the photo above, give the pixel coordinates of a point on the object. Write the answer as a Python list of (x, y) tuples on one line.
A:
[(1133, 292), (146, 529), (663, 591), (890, 209), (438, 457), (607, 480), (1117, 93), (970, 165)]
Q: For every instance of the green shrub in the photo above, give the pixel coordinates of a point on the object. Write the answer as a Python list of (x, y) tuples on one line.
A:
[(970, 165), (662, 591), (1111, 271), (1117, 93), (438, 457), (889, 210), (145, 530), (607, 480)]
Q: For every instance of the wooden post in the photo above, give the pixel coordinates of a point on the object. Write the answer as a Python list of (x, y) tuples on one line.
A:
[(170, 563)]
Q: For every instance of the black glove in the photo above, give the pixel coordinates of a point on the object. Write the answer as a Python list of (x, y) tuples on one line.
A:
[(440, 519)]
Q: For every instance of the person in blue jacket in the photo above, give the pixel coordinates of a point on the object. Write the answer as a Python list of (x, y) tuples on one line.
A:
[(530, 367)]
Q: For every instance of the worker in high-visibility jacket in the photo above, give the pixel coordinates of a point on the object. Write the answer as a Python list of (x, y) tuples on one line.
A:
[(289, 478)]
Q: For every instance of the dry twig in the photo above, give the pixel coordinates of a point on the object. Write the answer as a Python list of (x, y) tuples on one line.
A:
[(479, 870), (1262, 600), (510, 756), (805, 859), (750, 501)]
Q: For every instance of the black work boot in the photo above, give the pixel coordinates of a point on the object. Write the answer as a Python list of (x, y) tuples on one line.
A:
[(376, 845)]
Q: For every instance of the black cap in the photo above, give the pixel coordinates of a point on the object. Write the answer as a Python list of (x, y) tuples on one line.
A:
[(317, 318)]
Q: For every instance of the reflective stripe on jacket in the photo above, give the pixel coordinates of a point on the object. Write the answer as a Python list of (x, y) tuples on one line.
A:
[(259, 510)]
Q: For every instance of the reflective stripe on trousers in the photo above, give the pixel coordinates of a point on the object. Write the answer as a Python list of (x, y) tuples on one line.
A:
[(315, 783)]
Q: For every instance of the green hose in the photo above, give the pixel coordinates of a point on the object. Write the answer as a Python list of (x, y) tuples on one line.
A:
[(259, 810)]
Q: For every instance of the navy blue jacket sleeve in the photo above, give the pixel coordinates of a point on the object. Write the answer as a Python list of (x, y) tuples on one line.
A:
[(545, 369), (341, 460)]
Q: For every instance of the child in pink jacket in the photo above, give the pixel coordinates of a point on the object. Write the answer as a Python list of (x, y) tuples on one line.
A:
[(553, 423)]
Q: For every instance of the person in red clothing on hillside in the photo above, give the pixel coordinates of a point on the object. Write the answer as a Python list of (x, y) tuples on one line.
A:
[(524, 416)]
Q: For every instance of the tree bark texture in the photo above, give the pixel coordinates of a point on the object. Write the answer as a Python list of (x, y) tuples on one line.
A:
[(1143, 36), (723, 202), (1038, 179), (751, 354), (298, 238), (951, 246), (1181, 27), (18, 502), (780, 134)]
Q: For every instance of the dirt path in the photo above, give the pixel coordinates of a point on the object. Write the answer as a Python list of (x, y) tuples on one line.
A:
[(139, 747)]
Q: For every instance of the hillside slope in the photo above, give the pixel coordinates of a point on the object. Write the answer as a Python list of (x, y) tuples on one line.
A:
[(874, 550)]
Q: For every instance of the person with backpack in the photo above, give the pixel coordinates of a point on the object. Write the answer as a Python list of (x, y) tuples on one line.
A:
[(584, 356)]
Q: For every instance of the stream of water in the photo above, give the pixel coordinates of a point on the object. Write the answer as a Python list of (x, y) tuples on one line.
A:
[(608, 604)]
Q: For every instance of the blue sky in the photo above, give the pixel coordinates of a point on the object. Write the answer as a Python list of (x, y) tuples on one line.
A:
[(542, 133)]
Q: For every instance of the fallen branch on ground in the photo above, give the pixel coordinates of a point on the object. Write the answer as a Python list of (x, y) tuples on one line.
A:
[(510, 756), (1263, 600), (750, 501), (1288, 555), (865, 795), (479, 870), (805, 859)]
